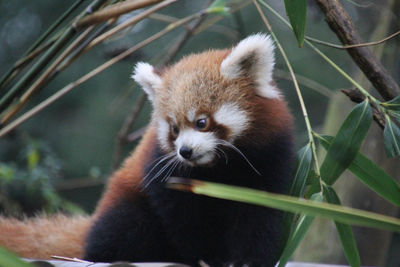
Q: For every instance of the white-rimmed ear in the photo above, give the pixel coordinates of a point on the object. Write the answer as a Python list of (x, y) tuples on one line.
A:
[(144, 74), (253, 56)]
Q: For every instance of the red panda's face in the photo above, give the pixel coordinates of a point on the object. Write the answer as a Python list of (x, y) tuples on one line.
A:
[(205, 102), (198, 138)]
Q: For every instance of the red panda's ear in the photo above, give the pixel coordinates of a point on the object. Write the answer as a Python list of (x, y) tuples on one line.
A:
[(144, 74), (253, 56)]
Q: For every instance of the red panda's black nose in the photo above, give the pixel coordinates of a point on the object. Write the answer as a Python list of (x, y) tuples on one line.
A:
[(186, 152)]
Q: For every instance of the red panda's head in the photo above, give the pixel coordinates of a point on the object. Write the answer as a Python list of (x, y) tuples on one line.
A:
[(209, 101)]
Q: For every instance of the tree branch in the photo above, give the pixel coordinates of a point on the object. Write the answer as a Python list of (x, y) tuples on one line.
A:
[(340, 23)]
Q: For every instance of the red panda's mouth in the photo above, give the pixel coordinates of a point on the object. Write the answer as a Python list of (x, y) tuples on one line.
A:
[(199, 160)]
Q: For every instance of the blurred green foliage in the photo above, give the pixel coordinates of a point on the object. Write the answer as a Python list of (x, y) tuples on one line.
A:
[(27, 183)]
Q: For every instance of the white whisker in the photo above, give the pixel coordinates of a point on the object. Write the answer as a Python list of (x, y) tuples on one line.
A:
[(171, 160), (225, 143), (161, 159)]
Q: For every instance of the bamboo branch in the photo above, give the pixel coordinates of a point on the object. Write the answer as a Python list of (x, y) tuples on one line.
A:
[(44, 60), (39, 83), (46, 34), (113, 11), (126, 127), (354, 45), (129, 22), (341, 23), (307, 82), (94, 72)]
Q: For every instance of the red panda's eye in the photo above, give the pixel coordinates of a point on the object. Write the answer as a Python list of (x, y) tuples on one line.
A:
[(175, 129), (201, 123)]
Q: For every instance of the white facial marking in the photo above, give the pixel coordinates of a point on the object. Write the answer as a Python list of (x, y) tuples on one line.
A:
[(259, 50), (143, 74), (163, 133), (233, 117), (202, 143), (191, 115)]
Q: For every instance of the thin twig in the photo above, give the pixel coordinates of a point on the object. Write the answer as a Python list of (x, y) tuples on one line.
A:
[(163, 17), (94, 72), (353, 45), (299, 95), (70, 259), (113, 11), (136, 134), (81, 49), (124, 131), (317, 87), (129, 22)]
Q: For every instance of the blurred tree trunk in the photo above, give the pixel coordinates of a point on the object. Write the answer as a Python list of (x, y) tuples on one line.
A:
[(322, 243)]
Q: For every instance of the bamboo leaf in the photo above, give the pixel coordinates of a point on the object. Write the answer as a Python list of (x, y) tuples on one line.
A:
[(344, 231), (370, 174), (304, 158), (347, 142), (9, 260), (298, 233), (297, 11), (393, 104), (219, 6), (391, 138), (287, 203)]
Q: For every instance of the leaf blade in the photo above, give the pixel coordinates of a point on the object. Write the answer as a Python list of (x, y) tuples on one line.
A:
[(391, 138), (345, 232), (346, 144), (297, 12), (287, 203), (370, 174), (304, 158), (298, 233), (393, 104)]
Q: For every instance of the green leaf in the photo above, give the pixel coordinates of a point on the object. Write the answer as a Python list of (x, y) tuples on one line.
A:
[(33, 157), (9, 260), (219, 6), (393, 104), (287, 203), (370, 174), (391, 138), (297, 11), (301, 228), (395, 114), (347, 142), (344, 231), (304, 158)]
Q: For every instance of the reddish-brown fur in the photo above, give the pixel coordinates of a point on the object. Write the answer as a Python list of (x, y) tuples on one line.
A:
[(43, 237), (60, 235)]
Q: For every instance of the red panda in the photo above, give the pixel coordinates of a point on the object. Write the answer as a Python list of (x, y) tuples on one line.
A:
[(218, 116)]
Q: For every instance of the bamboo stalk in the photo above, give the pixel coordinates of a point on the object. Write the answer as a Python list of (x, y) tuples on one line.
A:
[(113, 11), (94, 72), (129, 22), (44, 60), (39, 83)]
